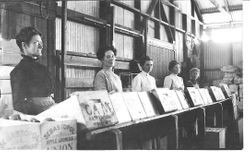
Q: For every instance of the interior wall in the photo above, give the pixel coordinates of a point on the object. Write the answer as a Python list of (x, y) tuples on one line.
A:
[(217, 55), (13, 18), (83, 39)]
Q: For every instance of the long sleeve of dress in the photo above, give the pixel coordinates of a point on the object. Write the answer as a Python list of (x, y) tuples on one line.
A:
[(100, 82), (167, 82), (136, 84), (19, 91)]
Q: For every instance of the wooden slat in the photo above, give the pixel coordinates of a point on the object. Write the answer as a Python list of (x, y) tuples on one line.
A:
[(82, 18), (28, 8), (79, 82), (92, 62), (160, 43)]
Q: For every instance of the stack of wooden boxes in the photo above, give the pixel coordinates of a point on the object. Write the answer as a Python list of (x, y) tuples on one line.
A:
[(6, 106)]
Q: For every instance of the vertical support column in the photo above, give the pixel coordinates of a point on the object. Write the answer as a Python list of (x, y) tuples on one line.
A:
[(138, 46), (193, 26), (184, 27), (112, 23), (202, 67), (51, 45), (157, 14), (172, 18), (64, 47), (145, 43), (176, 131), (118, 138), (106, 33)]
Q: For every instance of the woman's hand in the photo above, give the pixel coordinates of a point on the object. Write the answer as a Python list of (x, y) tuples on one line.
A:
[(112, 92)]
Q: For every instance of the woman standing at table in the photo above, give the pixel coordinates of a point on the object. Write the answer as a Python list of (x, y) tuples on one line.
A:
[(31, 81), (106, 79), (173, 81)]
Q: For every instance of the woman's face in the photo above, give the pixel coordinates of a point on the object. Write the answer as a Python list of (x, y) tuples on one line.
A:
[(108, 59), (195, 75), (148, 66), (34, 48), (176, 69)]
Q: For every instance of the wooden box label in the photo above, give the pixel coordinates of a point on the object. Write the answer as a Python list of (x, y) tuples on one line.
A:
[(96, 108)]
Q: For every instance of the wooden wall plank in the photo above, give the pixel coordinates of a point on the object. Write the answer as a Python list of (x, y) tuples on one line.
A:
[(92, 62), (151, 29), (86, 7), (161, 56), (179, 46), (82, 38)]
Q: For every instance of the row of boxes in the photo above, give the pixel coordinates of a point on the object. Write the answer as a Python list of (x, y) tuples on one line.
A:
[(97, 109)]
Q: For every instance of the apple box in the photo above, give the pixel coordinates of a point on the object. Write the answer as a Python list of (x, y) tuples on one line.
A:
[(60, 134)]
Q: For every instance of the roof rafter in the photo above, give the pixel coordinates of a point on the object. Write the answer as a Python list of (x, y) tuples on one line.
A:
[(220, 8), (215, 10)]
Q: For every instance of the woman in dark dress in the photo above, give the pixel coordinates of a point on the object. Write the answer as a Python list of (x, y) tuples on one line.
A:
[(30, 81)]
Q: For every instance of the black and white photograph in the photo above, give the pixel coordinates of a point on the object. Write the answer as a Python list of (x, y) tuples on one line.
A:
[(87, 75)]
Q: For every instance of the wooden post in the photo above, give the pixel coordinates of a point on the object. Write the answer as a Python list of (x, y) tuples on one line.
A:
[(172, 19), (184, 27), (157, 23), (145, 37), (105, 14), (64, 47), (193, 27), (51, 45), (112, 23), (202, 72)]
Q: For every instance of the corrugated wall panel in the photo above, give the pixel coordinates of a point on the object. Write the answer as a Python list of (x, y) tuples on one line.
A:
[(151, 29), (216, 55), (124, 45), (178, 19), (197, 29), (119, 15), (163, 33), (125, 17), (213, 75), (89, 7), (237, 54), (118, 41), (179, 46), (81, 38), (161, 57)]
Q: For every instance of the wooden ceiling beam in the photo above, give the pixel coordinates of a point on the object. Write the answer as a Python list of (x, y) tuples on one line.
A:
[(197, 10), (219, 7), (214, 9)]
